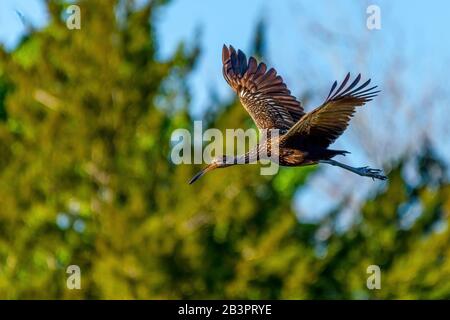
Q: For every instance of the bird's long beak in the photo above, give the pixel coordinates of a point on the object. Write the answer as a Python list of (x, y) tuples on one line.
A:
[(199, 174)]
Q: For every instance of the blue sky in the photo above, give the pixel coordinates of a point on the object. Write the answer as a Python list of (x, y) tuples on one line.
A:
[(311, 44), (419, 27)]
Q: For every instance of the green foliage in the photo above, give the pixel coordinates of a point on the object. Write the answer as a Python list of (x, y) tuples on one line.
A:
[(85, 178)]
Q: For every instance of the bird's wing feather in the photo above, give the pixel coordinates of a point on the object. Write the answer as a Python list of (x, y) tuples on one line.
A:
[(322, 126), (262, 93)]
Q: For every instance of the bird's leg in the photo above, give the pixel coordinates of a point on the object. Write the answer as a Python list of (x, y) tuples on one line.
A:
[(363, 171)]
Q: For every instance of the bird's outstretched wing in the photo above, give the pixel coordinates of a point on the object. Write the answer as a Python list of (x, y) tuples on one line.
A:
[(322, 126), (262, 93)]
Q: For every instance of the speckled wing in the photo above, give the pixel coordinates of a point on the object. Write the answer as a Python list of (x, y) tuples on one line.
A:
[(262, 93), (322, 126)]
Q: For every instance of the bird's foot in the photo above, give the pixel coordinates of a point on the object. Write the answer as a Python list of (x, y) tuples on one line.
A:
[(372, 173)]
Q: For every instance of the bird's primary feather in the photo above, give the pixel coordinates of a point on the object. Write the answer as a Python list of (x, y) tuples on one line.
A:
[(262, 93), (322, 126)]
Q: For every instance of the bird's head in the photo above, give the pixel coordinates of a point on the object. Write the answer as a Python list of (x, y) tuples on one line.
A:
[(217, 162)]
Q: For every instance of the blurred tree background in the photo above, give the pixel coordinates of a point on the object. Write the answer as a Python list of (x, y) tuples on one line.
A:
[(86, 178)]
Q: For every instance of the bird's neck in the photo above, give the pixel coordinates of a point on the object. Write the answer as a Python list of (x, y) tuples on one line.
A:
[(248, 157)]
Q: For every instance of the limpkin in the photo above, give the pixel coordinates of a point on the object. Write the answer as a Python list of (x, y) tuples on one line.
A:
[(304, 138)]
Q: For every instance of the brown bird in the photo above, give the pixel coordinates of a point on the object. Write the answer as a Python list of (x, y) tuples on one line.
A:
[(304, 138)]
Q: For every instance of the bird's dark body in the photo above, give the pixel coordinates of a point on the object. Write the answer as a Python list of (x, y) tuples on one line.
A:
[(304, 138), (296, 156)]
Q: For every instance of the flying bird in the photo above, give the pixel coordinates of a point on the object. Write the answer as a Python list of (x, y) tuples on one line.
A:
[(304, 137)]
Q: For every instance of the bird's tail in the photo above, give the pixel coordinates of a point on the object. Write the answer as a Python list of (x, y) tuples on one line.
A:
[(332, 153)]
